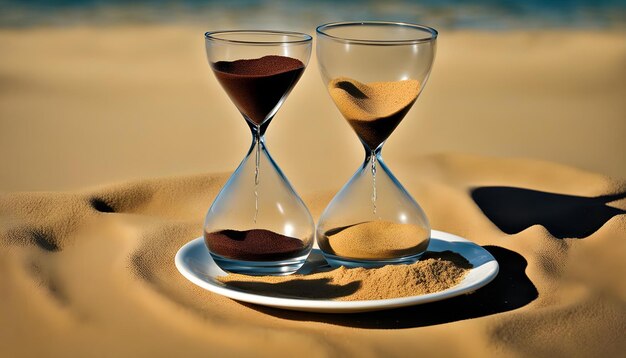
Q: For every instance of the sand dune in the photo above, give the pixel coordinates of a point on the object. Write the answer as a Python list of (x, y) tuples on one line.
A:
[(91, 272)]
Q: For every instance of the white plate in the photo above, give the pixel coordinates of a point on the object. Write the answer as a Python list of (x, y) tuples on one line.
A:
[(195, 263)]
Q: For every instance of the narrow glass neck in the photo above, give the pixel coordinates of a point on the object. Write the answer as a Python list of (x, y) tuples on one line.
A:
[(378, 153), (258, 130), (258, 138)]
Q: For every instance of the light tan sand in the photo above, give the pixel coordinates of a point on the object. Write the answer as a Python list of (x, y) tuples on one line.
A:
[(76, 280), (374, 109), (375, 240), (84, 106), (371, 101)]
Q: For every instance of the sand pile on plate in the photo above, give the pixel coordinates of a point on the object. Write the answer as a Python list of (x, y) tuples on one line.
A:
[(438, 271)]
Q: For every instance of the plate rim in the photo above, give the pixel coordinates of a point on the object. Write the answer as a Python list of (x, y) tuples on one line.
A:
[(316, 305)]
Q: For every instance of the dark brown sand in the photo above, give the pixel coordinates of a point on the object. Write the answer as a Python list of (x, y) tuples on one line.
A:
[(254, 245), (257, 85)]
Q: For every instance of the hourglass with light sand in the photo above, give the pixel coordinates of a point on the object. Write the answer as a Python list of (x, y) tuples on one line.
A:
[(374, 72)]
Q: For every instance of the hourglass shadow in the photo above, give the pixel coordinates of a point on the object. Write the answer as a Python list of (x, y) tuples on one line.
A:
[(313, 289), (513, 210), (510, 290)]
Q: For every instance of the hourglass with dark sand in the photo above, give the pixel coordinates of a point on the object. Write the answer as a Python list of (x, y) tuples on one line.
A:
[(257, 224), (374, 72)]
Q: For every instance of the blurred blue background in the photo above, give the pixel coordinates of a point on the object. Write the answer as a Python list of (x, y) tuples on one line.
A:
[(452, 14)]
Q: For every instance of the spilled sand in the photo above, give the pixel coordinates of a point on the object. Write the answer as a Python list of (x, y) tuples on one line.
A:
[(434, 272), (91, 272)]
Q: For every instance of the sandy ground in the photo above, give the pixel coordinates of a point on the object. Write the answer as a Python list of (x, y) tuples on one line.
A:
[(141, 102), (88, 271), (79, 277)]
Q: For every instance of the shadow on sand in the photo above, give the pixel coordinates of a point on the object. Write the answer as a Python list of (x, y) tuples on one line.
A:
[(513, 210), (313, 289)]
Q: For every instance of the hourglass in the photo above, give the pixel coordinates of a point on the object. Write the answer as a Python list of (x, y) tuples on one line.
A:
[(257, 224), (374, 71)]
